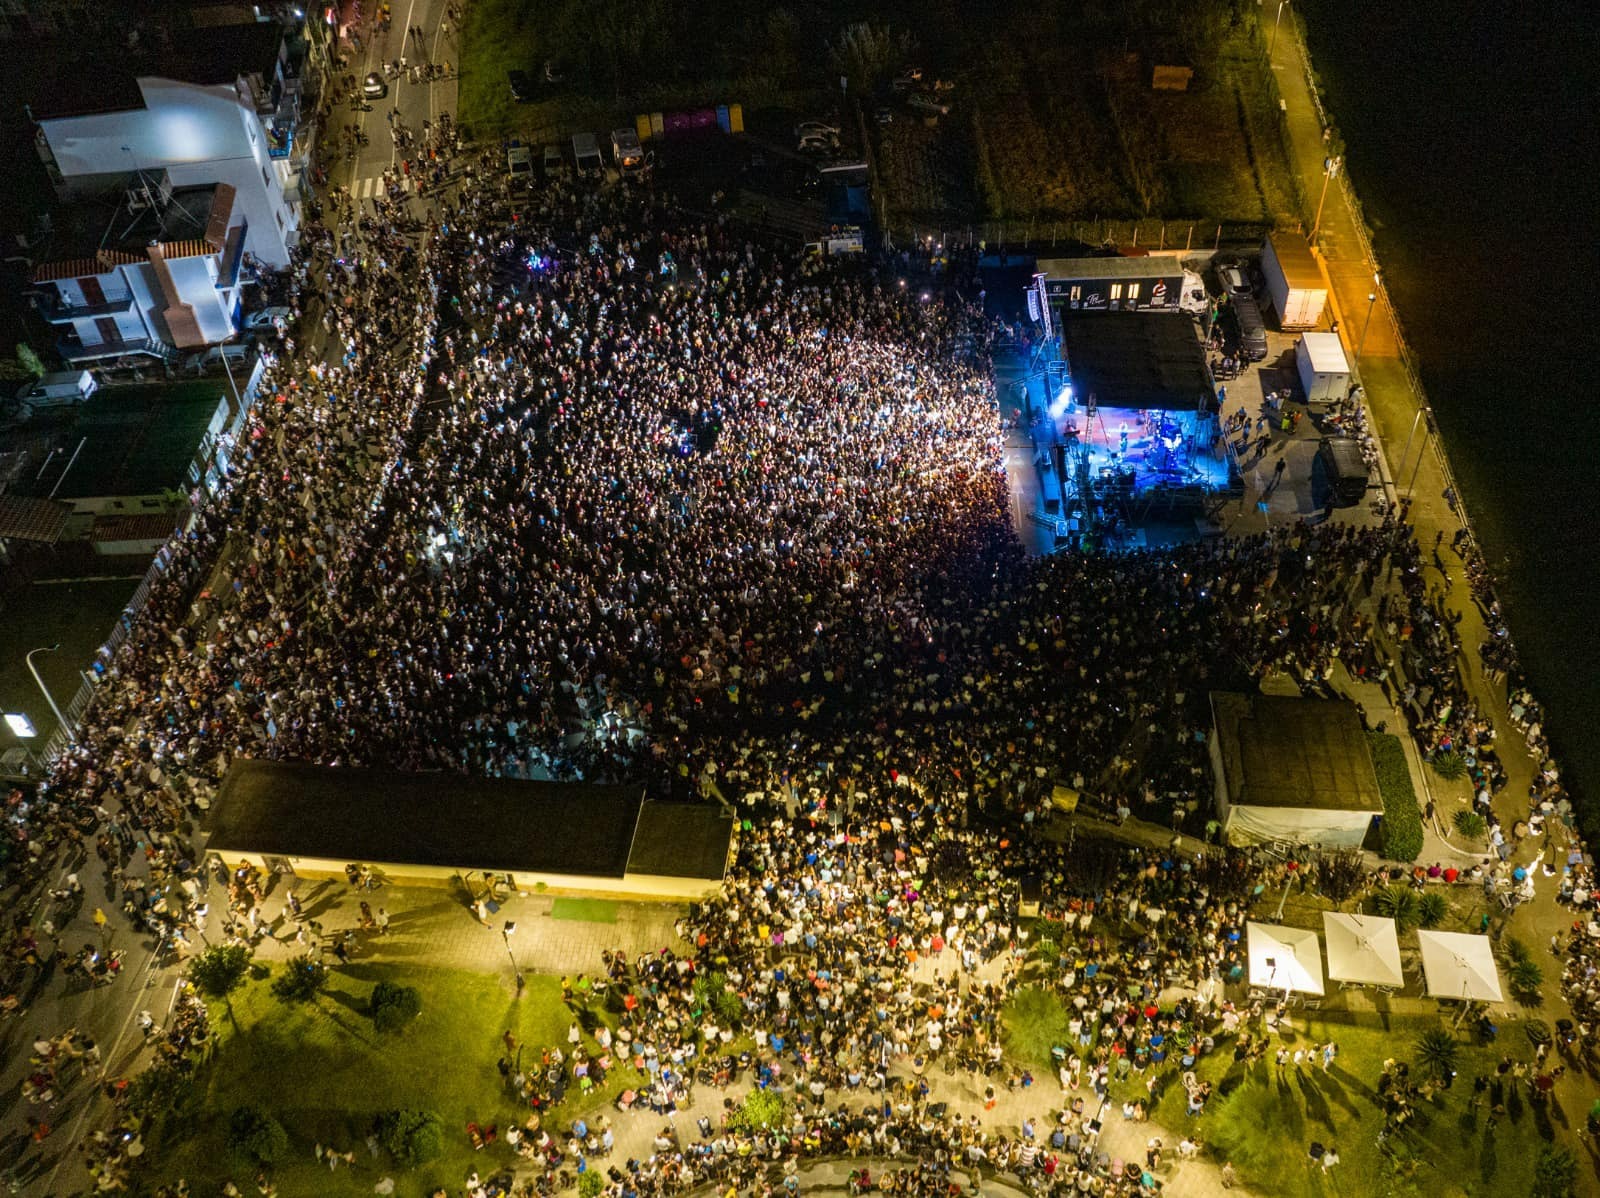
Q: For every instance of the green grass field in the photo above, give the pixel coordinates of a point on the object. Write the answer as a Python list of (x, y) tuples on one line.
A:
[(324, 1072), (1264, 1122)]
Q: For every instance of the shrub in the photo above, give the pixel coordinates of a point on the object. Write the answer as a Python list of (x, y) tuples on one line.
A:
[(1538, 1032), (760, 1110), (1035, 1022), (220, 970), (1431, 910), (1402, 819), (1526, 979), (301, 980), (1516, 950), (1340, 875), (256, 1136), (1471, 825), (1450, 765), (1436, 1053), (161, 1090), (411, 1136), (1556, 1174), (590, 1183), (393, 1006), (1401, 904)]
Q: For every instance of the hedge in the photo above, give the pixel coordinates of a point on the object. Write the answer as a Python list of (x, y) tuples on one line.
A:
[(1402, 818)]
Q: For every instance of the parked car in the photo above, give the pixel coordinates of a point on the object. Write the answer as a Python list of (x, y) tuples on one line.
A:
[(807, 129), (374, 88), (927, 105), (554, 73), (884, 116), (521, 82), (265, 318), (818, 143), (1233, 280), (555, 165)]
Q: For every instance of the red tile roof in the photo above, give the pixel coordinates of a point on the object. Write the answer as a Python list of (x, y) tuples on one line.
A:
[(30, 519)]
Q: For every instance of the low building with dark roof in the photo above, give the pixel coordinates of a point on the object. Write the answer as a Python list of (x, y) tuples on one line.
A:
[(1292, 769), (433, 829)]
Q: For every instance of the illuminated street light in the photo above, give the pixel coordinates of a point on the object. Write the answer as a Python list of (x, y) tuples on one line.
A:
[(1278, 20), (1361, 345), (1330, 168), (505, 935), (44, 690)]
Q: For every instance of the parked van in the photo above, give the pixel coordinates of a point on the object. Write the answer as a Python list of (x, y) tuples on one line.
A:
[(1347, 473), (519, 167), (1252, 331), (586, 156), (555, 166), (59, 390)]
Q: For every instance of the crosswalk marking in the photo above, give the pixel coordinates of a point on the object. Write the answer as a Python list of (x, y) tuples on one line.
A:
[(372, 185)]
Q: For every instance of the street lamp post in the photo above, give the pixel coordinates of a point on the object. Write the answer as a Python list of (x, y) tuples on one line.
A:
[(1361, 345), (72, 737), (1421, 453), (1405, 453), (1278, 20), (1330, 168), (505, 935)]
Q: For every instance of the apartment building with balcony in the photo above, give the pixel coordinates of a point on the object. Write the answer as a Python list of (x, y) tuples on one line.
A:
[(210, 105), (171, 281)]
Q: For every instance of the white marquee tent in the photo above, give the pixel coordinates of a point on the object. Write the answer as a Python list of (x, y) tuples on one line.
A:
[(1284, 958), (1362, 949), (1459, 965)]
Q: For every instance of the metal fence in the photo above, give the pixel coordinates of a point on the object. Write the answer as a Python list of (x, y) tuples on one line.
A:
[(83, 698), (1039, 235)]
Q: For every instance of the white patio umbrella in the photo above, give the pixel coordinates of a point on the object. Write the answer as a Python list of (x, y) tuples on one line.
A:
[(1459, 965), (1362, 948), (1284, 958)]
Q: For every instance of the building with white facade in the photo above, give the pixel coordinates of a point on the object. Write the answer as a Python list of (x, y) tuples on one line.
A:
[(216, 105), (171, 281)]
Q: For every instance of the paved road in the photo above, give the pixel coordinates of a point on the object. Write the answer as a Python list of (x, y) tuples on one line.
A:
[(109, 1013)]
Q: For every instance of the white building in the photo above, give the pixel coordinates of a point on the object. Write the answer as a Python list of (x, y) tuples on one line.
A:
[(220, 105), (173, 284)]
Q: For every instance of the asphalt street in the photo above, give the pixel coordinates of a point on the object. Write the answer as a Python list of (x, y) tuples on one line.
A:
[(51, 1168)]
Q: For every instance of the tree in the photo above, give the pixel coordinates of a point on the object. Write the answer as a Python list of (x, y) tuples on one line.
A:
[(29, 360), (1399, 903), (220, 970), (1431, 910), (1526, 979), (1450, 765), (256, 1136), (1556, 1174), (412, 1136), (301, 980), (393, 1006), (1436, 1053), (160, 1090), (1340, 875), (1470, 824), (867, 54), (590, 1184)]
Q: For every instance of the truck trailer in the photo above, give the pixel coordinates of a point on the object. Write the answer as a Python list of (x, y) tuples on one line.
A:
[(1295, 282)]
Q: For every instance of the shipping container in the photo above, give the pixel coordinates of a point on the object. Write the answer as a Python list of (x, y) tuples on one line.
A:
[(1295, 282), (1324, 371)]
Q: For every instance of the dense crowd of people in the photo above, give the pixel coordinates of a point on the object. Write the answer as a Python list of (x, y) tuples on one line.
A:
[(613, 491)]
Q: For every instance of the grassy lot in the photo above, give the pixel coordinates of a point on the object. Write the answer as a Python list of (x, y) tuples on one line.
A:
[(324, 1072), (1264, 1121)]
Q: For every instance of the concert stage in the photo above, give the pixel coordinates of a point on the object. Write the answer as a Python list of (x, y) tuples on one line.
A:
[(1121, 412)]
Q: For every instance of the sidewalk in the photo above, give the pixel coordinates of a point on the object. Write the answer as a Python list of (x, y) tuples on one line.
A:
[(1393, 402)]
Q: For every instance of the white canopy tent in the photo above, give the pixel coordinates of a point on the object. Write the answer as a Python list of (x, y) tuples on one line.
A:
[(1284, 958), (1459, 965), (1362, 948)]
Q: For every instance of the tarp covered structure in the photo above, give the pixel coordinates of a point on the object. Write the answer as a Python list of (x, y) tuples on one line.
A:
[(1284, 958), (1362, 948), (1459, 965), (1292, 769)]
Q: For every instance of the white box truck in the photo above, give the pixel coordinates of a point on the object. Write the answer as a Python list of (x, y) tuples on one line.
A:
[(1324, 372), (1295, 282)]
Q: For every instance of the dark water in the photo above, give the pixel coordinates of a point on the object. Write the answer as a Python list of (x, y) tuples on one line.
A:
[(1473, 142)]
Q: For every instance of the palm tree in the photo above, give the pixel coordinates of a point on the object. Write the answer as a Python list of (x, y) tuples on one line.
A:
[(1436, 1053)]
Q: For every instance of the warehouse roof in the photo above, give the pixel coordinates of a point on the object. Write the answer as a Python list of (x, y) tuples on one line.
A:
[(1285, 751), (291, 809), (681, 840), (1136, 360)]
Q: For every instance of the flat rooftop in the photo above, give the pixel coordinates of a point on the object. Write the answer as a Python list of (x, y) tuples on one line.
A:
[(292, 809), (1285, 751), (138, 440), (1136, 360)]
